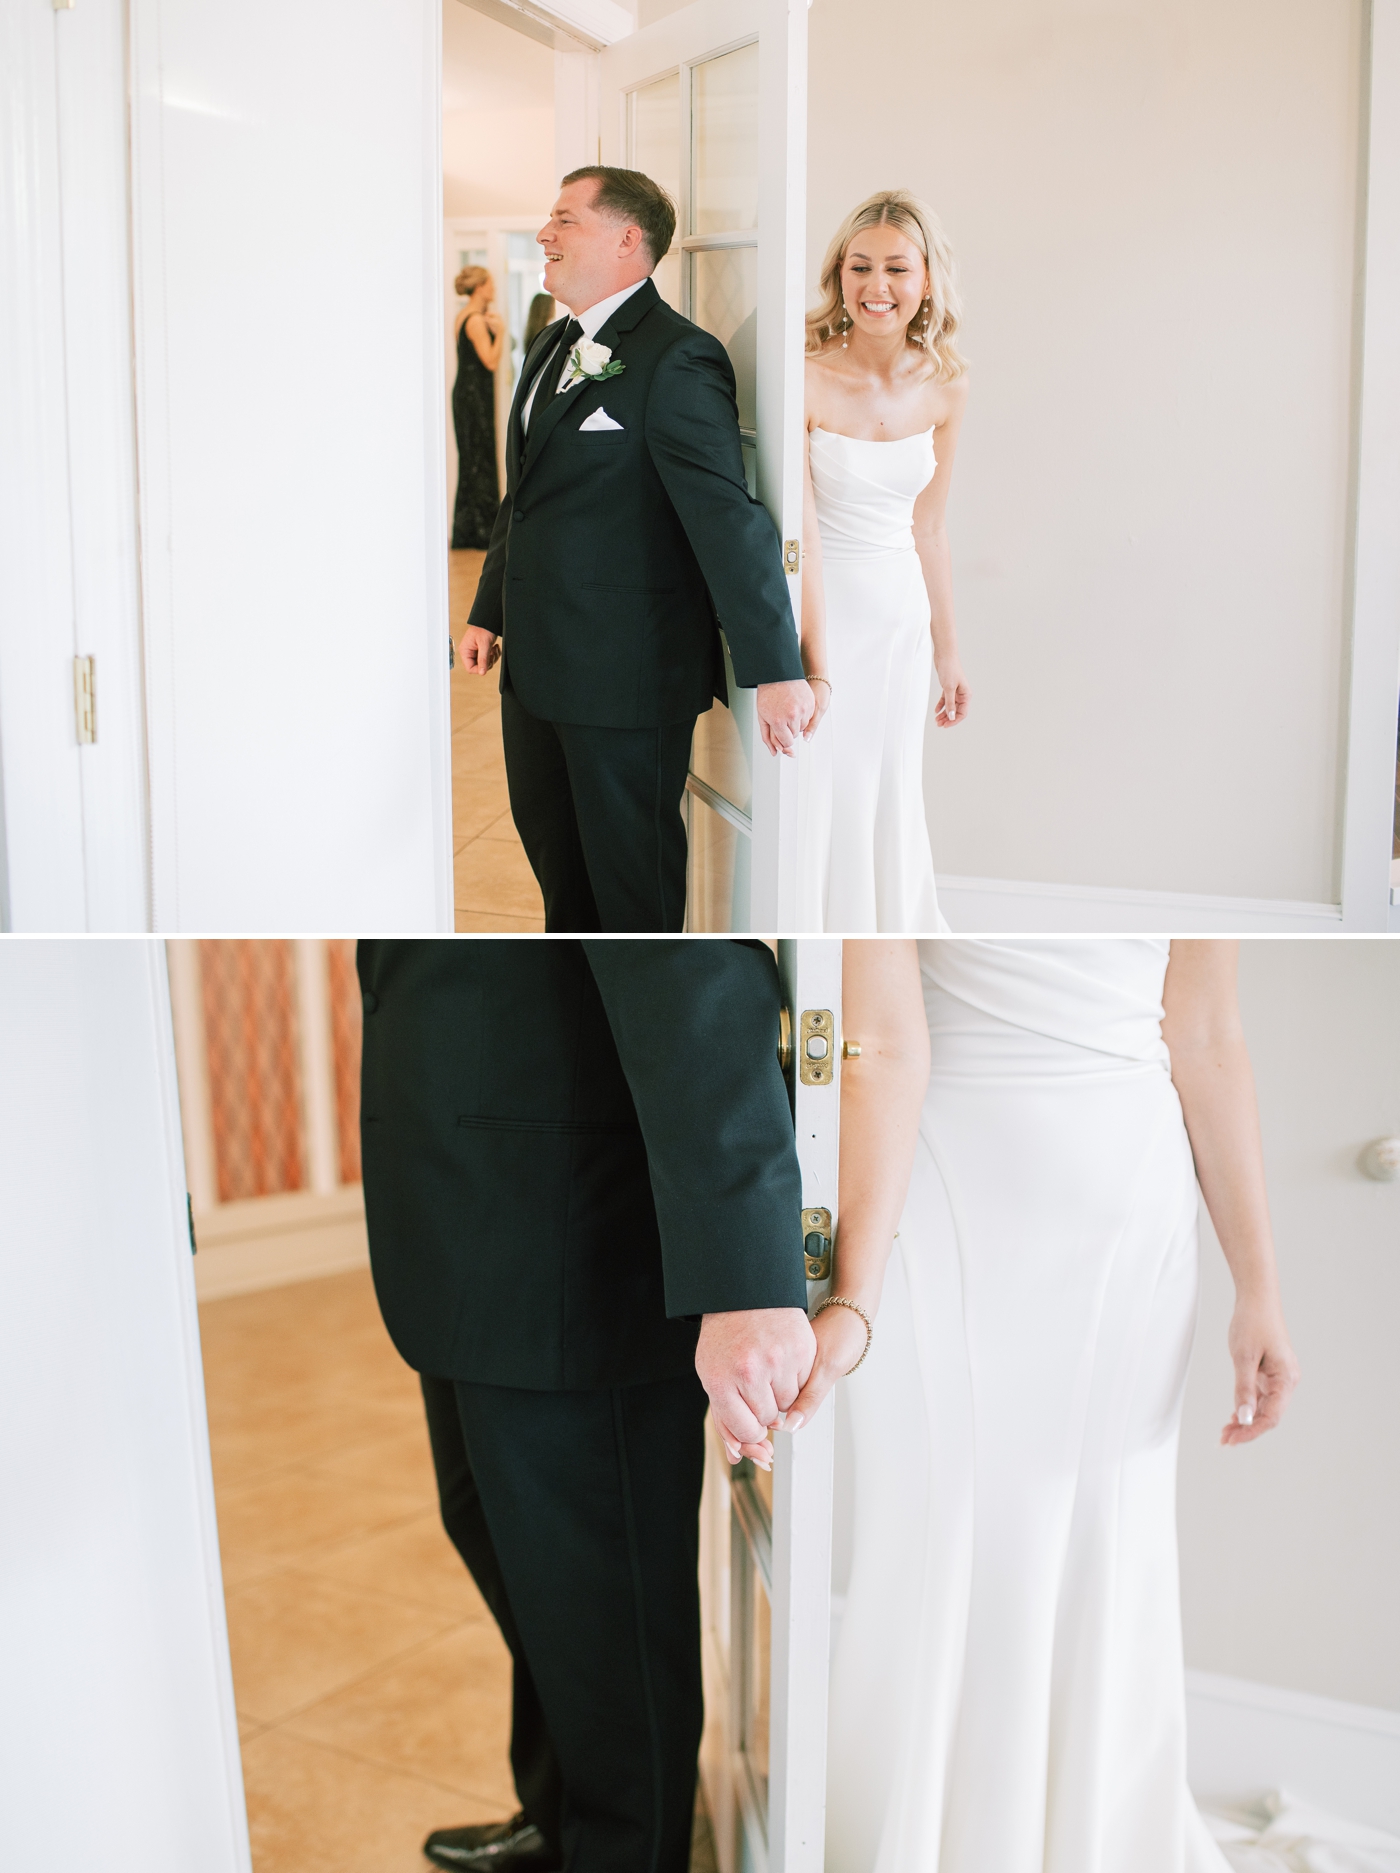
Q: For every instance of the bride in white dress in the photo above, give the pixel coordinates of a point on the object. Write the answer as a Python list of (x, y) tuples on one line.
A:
[(885, 391), (1007, 1689)]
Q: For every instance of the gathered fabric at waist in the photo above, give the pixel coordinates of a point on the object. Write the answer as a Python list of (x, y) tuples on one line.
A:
[(840, 543), (968, 1044)]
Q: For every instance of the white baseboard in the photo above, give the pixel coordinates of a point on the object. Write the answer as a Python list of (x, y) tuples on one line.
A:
[(1244, 1738), (993, 905), (266, 1241)]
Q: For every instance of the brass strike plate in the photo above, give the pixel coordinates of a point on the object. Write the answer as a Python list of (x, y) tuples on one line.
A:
[(816, 1057), (816, 1244), (792, 555)]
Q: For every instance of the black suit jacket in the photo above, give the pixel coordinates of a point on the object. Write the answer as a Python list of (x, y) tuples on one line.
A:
[(615, 551), (572, 1148)]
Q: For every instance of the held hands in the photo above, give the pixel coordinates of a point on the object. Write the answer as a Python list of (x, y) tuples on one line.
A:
[(480, 650), (841, 1341), (752, 1364), (785, 712), (1266, 1370)]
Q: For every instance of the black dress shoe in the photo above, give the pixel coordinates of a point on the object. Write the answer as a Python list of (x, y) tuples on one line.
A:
[(514, 1846)]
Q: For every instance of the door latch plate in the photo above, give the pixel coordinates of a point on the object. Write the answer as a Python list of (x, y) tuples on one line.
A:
[(816, 1244), (816, 1051)]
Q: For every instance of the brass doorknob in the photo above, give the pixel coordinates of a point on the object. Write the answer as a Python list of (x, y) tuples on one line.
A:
[(784, 1039)]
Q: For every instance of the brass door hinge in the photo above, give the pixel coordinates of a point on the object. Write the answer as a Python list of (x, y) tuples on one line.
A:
[(792, 555), (816, 1055), (85, 697), (816, 1244)]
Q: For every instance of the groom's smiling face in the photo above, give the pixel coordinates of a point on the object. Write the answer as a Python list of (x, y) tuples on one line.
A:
[(589, 256)]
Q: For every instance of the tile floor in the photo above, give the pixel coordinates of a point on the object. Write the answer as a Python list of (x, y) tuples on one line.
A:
[(372, 1686), (494, 886)]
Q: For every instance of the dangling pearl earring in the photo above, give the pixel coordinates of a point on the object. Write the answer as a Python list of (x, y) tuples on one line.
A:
[(928, 299), (846, 323)]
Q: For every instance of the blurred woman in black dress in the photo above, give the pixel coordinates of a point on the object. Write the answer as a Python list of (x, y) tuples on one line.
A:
[(480, 335)]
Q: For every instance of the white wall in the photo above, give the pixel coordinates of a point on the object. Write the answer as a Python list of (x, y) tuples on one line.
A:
[(498, 117), (1154, 211), (1291, 1548), (118, 1739)]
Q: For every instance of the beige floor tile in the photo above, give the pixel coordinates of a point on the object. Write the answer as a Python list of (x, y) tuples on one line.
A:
[(403, 1461), (501, 828), (478, 804), (249, 1727), (483, 923), (303, 1510), (315, 1810), (295, 1638), (495, 876), (443, 1713), (414, 1561)]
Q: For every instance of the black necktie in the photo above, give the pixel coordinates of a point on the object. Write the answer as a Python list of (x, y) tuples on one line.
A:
[(554, 370)]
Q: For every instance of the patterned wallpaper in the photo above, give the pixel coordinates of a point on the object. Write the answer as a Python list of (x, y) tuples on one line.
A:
[(253, 1043)]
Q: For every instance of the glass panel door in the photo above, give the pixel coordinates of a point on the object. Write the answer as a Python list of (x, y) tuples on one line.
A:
[(711, 102)]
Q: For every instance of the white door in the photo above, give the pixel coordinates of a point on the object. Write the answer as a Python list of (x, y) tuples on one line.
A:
[(711, 102), (765, 1550), (118, 1738)]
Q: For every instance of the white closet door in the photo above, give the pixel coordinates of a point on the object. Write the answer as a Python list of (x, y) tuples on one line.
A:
[(711, 102), (118, 1739), (765, 1559), (287, 229)]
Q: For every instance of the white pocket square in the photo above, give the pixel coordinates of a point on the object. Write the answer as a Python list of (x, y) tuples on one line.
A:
[(598, 420)]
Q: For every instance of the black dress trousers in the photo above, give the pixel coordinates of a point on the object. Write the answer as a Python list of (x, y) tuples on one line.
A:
[(533, 1761), (598, 811), (592, 1503)]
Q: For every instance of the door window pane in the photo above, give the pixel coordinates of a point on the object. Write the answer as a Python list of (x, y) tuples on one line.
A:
[(655, 125), (724, 143), (722, 752), (724, 294), (717, 880)]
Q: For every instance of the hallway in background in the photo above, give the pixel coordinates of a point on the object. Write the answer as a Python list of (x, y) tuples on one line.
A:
[(494, 888)]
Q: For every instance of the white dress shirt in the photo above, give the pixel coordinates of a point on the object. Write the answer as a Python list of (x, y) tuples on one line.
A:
[(592, 322)]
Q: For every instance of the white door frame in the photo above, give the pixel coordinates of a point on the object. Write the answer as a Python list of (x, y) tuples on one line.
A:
[(745, 1551), (73, 817)]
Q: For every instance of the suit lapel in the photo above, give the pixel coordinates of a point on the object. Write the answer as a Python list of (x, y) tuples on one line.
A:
[(628, 315)]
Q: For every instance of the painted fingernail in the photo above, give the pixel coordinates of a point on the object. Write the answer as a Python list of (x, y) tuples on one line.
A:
[(794, 1420), (1245, 1415)]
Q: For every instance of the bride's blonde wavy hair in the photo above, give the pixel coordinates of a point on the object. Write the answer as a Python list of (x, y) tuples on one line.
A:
[(933, 328)]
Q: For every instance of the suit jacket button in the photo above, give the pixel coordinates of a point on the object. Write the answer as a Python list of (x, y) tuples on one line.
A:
[(518, 514), (371, 1001)]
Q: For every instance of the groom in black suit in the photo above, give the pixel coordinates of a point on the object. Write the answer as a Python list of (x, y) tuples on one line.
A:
[(584, 1212), (627, 536)]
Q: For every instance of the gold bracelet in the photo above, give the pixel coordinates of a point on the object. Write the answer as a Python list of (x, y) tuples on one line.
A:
[(838, 1300), (821, 679)]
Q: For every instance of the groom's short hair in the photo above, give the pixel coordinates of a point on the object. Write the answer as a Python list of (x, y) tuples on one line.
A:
[(628, 195)]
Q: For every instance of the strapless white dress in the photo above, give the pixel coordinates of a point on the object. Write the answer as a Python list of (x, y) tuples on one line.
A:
[(865, 861), (1007, 1692)]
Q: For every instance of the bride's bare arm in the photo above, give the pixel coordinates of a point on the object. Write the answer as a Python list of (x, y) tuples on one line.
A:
[(882, 1094), (1215, 1083), (813, 597), (931, 539)]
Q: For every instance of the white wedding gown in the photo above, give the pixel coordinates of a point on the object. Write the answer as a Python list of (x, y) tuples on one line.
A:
[(1007, 1689), (865, 860)]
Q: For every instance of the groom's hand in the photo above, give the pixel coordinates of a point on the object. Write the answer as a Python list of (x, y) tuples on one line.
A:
[(480, 649), (753, 1364), (784, 710)]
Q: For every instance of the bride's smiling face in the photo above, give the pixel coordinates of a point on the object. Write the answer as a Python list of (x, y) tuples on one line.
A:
[(883, 281)]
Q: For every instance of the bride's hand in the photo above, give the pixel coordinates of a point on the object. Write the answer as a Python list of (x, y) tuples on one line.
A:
[(821, 694), (1266, 1370), (840, 1343), (953, 702)]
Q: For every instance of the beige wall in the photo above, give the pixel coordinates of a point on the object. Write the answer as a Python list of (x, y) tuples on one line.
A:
[(1291, 1548), (498, 117), (1154, 213)]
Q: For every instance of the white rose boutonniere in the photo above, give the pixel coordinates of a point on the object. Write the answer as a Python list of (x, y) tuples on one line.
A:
[(589, 362)]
